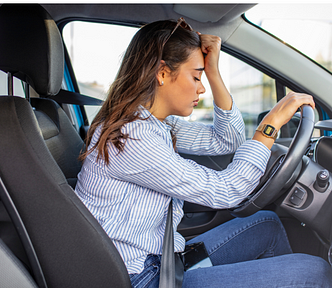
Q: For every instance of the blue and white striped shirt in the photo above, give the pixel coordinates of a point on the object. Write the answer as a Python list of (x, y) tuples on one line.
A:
[(130, 196)]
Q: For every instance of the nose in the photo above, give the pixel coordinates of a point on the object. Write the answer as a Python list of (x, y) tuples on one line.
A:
[(201, 88)]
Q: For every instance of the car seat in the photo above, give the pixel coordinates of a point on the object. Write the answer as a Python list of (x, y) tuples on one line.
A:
[(60, 136), (71, 247)]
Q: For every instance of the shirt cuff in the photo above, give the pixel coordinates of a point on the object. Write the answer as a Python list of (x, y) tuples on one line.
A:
[(254, 152)]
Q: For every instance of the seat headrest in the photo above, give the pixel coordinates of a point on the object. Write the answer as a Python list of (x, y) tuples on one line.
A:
[(31, 47)]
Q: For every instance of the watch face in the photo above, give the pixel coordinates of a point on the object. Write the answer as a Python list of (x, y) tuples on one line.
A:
[(269, 130)]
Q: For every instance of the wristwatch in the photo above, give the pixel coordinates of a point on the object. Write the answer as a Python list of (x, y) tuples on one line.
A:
[(268, 131)]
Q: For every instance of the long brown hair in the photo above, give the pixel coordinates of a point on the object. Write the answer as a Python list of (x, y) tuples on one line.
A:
[(136, 81)]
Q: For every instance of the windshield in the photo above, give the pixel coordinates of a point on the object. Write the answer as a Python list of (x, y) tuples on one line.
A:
[(306, 26)]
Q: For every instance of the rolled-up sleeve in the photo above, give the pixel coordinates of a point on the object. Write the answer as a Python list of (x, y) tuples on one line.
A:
[(223, 137)]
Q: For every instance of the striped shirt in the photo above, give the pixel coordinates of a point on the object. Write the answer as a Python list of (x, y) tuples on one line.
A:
[(130, 196)]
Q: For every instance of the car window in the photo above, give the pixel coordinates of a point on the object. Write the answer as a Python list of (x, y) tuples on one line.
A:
[(96, 51), (17, 85), (305, 26), (253, 91)]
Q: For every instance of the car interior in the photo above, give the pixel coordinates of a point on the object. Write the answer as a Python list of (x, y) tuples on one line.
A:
[(48, 238)]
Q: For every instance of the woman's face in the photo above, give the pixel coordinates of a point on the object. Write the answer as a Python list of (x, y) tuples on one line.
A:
[(179, 96)]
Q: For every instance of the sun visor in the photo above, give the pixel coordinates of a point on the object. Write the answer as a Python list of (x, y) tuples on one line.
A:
[(211, 12)]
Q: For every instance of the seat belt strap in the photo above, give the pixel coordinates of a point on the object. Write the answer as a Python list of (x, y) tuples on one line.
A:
[(70, 97), (23, 234), (171, 271)]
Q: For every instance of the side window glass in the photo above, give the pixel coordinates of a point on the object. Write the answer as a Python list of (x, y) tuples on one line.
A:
[(96, 52), (17, 85), (253, 91)]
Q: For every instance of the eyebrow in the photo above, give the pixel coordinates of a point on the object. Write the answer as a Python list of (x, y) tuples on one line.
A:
[(199, 69)]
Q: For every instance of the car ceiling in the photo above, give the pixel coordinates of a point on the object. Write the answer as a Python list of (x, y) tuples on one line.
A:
[(200, 16)]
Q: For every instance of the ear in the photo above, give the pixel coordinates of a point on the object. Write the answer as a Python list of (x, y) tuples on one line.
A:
[(162, 71)]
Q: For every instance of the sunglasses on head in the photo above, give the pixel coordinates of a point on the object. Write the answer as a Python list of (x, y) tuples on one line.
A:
[(181, 22)]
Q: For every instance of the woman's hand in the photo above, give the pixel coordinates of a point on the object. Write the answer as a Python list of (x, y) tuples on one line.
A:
[(210, 45), (282, 112)]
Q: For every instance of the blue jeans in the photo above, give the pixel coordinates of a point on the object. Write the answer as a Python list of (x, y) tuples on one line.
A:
[(234, 248)]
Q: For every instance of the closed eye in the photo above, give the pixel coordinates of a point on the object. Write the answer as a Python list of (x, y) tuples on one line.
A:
[(196, 79)]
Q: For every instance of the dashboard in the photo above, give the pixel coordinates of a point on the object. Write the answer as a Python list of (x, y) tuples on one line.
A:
[(309, 199)]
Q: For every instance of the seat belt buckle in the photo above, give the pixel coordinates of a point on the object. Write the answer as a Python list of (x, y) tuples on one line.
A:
[(195, 256)]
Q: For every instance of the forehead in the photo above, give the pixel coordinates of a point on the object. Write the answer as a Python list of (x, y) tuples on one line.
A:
[(195, 60)]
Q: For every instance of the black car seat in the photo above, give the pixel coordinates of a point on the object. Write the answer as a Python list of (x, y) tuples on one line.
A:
[(72, 248), (60, 136)]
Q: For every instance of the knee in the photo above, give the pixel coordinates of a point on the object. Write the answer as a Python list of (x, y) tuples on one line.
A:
[(266, 216), (315, 270), (320, 267)]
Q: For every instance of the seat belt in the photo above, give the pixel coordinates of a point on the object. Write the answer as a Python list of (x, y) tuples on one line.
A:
[(9, 205), (70, 97), (172, 269)]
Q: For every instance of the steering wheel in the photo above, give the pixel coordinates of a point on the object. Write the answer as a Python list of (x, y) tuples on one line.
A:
[(282, 169)]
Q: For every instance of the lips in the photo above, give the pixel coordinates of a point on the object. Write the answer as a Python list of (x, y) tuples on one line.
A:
[(196, 102)]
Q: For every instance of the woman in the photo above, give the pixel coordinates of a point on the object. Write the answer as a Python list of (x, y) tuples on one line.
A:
[(131, 168)]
